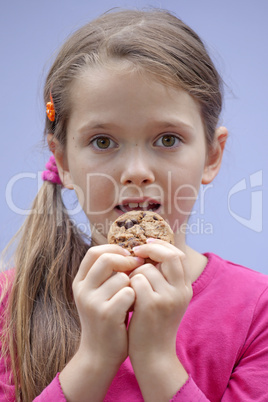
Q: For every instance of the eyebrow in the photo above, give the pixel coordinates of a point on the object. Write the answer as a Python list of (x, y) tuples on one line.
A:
[(154, 124), (173, 124), (96, 125)]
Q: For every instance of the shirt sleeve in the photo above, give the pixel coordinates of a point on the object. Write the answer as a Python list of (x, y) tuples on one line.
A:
[(248, 381), (53, 392), (189, 392), (7, 388)]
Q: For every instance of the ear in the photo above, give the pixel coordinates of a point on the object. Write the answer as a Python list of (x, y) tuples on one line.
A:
[(214, 156), (57, 149)]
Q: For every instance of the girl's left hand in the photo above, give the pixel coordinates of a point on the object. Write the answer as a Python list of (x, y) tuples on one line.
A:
[(163, 294)]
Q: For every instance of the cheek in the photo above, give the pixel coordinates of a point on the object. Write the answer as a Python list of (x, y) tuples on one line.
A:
[(183, 193), (99, 193), (184, 197)]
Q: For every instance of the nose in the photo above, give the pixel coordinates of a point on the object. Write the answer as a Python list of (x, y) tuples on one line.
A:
[(137, 169)]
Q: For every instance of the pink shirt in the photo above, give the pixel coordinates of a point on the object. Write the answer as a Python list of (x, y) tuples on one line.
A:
[(222, 342)]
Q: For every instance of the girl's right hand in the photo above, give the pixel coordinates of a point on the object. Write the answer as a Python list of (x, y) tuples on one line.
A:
[(103, 297)]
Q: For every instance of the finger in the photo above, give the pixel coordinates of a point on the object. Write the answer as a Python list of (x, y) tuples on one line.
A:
[(153, 276), (174, 272), (93, 254), (169, 257), (152, 240), (157, 250), (183, 262), (106, 265), (121, 302), (110, 287), (143, 290)]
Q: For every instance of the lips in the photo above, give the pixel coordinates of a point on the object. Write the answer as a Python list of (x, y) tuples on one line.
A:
[(139, 205)]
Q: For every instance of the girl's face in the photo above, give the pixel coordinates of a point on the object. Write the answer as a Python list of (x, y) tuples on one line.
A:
[(133, 143)]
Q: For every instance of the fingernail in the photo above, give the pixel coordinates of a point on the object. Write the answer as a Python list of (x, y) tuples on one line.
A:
[(150, 240), (139, 260), (125, 251), (136, 248)]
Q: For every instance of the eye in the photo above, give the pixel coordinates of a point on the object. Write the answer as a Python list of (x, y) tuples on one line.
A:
[(103, 143), (167, 141)]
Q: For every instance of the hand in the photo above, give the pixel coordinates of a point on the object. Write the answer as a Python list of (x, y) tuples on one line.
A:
[(162, 297), (163, 294), (103, 297)]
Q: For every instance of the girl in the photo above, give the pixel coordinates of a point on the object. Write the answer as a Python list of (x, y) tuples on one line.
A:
[(133, 102)]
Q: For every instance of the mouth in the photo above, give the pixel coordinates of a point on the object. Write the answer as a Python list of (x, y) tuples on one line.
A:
[(135, 205)]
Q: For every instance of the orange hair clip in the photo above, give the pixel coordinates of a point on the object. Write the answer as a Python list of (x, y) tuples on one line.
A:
[(50, 109)]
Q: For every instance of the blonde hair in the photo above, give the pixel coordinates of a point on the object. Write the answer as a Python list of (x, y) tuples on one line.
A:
[(44, 328)]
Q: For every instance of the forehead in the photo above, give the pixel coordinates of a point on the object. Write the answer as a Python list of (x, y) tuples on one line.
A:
[(128, 93)]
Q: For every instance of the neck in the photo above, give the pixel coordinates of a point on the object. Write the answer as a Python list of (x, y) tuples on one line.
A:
[(196, 262)]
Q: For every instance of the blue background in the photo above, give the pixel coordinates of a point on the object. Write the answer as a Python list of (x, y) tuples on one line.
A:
[(236, 34)]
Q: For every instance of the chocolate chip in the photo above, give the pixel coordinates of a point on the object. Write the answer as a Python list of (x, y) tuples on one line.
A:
[(121, 223), (135, 222), (155, 218), (129, 224), (133, 243)]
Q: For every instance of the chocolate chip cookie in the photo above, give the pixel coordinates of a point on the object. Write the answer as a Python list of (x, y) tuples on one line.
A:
[(134, 227)]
